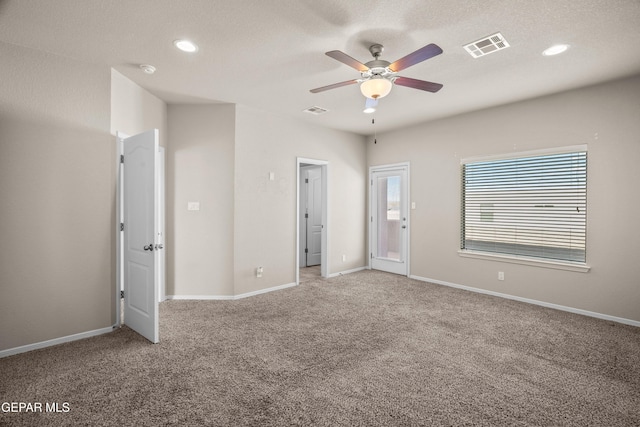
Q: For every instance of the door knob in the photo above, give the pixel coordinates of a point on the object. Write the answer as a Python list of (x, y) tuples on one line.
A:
[(149, 247)]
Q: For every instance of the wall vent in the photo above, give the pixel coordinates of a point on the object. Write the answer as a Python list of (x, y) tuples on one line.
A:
[(316, 110), (487, 45)]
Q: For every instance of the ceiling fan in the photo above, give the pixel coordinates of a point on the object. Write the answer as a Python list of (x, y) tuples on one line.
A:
[(378, 76)]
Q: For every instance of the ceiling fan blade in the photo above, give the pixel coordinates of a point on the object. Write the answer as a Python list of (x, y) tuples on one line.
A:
[(333, 86), (346, 59), (418, 84), (422, 54)]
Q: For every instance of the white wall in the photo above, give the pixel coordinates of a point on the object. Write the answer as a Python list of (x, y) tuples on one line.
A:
[(606, 118)]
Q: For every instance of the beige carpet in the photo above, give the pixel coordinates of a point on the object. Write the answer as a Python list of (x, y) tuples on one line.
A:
[(365, 349), (308, 274)]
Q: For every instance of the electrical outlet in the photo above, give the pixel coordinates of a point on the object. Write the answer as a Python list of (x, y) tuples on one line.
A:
[(500, 275), (259, 271), (344, 258)]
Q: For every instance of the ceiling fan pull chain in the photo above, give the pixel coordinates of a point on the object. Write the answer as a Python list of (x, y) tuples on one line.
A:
[(375, 132)]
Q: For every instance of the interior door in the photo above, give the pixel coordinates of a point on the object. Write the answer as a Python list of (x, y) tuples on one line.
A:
[(140, 246), (314, 219), (389, 219)]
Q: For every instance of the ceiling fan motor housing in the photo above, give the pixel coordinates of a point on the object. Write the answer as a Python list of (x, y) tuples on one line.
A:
[(376, 50)]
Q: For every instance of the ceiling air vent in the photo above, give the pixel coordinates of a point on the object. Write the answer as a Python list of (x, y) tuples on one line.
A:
[(487, 45), (316, 110)]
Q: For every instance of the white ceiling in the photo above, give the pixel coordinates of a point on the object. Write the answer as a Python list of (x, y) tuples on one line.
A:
[(268, 54)]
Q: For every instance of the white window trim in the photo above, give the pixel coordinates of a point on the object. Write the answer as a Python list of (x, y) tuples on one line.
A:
[(534, 262), (520, 154)]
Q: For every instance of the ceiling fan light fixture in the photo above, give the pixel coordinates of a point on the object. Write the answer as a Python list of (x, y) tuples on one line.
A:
[(376, 88), (370, 106)]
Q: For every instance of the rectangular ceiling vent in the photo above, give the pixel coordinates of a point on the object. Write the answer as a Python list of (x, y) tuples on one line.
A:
[(487, 45), (316, 110)]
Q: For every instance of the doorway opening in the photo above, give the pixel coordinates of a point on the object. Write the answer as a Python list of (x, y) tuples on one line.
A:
[(311, 220)]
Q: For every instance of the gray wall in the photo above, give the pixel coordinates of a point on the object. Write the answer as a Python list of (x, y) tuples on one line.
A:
[(265, 211), (221, 156), (200, 168), (134, 110), (606, 118), (57, 188)]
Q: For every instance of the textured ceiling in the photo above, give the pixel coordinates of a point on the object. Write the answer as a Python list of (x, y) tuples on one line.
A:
[(269, 54)]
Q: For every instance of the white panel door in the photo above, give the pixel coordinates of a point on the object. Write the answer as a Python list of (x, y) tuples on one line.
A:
[(389, 219), (140, 211)]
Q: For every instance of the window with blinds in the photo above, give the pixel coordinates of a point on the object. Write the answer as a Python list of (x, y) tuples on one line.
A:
[(531, 206)]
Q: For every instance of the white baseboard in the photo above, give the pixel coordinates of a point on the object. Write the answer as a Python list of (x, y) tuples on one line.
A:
[(264, 291), (253, 293), (532, 301), (55, 341), (342, 273), (199, 297), (82, 335), (230, 297)]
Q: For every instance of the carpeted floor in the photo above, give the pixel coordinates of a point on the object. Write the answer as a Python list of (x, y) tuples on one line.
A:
[(365, 349), (308, 274)]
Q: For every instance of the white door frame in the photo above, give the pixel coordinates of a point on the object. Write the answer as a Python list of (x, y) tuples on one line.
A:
[(161, 231), (407, 241), (305, 238), (160, 268), (324, 251), (119, 232)]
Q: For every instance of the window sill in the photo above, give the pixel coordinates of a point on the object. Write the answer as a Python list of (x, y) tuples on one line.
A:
[(558, 265)]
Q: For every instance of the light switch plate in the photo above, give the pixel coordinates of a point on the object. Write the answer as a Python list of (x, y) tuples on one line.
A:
[(193, 206)]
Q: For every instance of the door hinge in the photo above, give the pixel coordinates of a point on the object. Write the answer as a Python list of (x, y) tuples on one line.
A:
[(121, 294), (371, 255), (306, 215), (122, 226), (306, 250), (306, 180), (121, 158)]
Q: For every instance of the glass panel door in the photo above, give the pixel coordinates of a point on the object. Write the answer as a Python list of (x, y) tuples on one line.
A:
[(389, 219)]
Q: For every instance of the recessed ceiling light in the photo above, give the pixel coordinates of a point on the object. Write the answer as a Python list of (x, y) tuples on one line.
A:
[(369, 110), (186, 46), (555, 49)]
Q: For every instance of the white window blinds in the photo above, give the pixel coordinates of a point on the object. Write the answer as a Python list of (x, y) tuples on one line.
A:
[(533, 206)]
